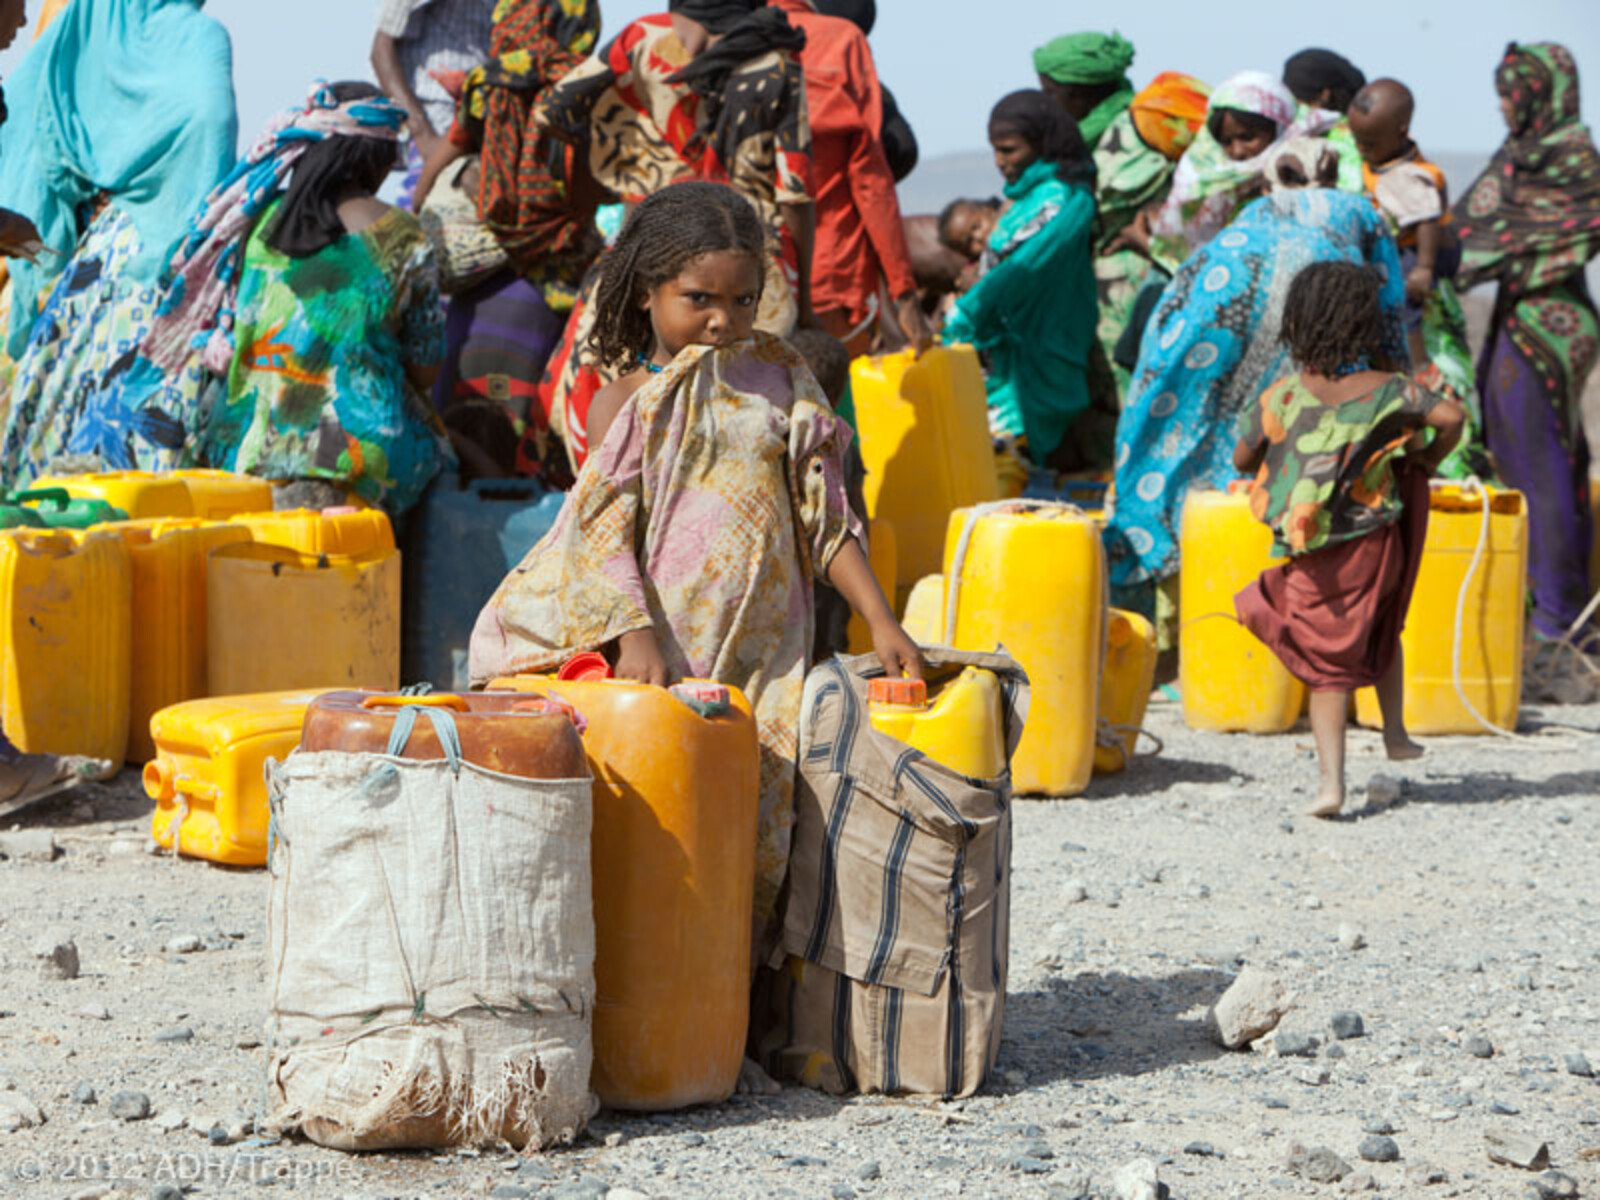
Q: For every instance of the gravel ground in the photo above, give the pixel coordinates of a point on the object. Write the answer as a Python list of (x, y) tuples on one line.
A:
[(1478, 986)]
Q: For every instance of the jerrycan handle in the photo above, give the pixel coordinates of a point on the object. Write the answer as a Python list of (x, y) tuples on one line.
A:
[(444, 725), (441, 700), (60, 497)]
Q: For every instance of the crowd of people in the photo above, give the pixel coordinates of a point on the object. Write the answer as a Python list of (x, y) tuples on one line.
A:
[(589, 221)]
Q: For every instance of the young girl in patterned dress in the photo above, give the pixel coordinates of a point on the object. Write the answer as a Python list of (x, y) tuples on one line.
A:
[(714, 496), (1341, 461)]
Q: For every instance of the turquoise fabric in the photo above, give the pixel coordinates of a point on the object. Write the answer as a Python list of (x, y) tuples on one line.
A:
[(1033, 312), (133, 98)]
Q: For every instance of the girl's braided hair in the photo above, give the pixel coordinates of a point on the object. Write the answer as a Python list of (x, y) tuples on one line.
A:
[(663, 235), (1332, 319)]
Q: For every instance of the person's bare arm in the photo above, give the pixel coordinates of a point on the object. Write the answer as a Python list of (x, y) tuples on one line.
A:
[(851, 575), (605, 406), (801, 222), (1448, 421), (1248, 456), (392, 79), (1419, 280), (444, 152)]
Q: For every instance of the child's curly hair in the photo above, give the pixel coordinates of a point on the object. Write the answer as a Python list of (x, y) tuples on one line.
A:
[(1332, 319), (663, 235)]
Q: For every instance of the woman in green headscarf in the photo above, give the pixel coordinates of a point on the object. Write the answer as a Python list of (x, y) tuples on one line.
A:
[(1087, 74)]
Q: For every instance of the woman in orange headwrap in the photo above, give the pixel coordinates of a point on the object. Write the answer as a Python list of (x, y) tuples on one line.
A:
[(1133, 163)]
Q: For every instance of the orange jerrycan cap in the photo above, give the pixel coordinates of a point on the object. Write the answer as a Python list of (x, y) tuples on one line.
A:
[(905, 693), (706, 699), (550, 706), (587, 667)]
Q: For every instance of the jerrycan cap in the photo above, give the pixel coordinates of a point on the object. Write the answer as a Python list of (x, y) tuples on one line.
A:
[(904, 693), (543, 706), (339, 510), (706, 699), (588, 667)]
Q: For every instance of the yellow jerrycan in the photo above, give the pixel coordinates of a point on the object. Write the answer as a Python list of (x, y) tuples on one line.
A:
[(278, 619), (218, 495), (1031, 576), (325, 531), (207, 775), (1231, 682), (1491, 549), (925, 442), (138, 493), (883, 555), (168, 662), (676, 789), (1125, 686), (923, 618), (65, 604), (962, 728)]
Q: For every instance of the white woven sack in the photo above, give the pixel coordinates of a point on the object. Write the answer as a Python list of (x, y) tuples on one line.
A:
[(431, 953)]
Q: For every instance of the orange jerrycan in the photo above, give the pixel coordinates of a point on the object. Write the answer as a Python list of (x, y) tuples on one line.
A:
[(925, 443), (961, 728), (207, 775), (328, 531), (65, 600), (218, 495), (168, 663), (1594, 517), (1231, 682), (676, 789), (279, 619), (1030, 576), (1125, 685), (138, 493), (1490, 617), (884, 557)]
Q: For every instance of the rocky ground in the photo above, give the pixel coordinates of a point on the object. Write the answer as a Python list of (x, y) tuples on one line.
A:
[(1460, 925)]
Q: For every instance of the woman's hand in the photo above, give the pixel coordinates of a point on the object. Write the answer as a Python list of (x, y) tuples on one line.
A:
[(1135, 235), (913, 323), (899, 655), (639, 658)]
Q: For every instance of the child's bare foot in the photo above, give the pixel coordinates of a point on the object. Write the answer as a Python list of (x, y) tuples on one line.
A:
[(1329, 801), (1402, 748)]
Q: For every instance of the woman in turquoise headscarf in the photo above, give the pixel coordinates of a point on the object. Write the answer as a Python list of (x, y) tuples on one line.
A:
[(1032, 312), (1087, 74), (122, 119)]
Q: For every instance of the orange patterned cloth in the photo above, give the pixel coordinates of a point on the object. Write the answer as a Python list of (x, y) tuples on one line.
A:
[(1169, 112)]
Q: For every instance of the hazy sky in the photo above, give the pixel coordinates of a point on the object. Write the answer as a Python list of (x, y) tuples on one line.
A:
[(948, 61)]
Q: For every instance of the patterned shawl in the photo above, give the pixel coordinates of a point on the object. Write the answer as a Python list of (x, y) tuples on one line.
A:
[(1533, 218), (197, 310)]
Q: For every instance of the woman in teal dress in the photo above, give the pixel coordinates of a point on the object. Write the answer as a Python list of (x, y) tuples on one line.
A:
[(1032, 313)]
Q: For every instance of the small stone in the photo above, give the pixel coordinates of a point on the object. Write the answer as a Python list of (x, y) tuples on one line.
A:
[(1478, 1047), (1501, 1109), (29, 845), (1334, 1051), (1075, 1185), (869, 1171), (1425, 1176), (1026, 1164), (58, 957), (692, 1139), (510, 1191), (248, 1041), (1379, 1149), (17, 1111), (1379, 1128), (1294, 1045), (1517, 1150), (1347, 1025), (1015, 1077), (83, 1093), (95, 1192), (166, 1191), (1553, 1185), (130, 1106), (1318, 1164), (1523, 981), (1251, 1008), (1039, 1150), (1578, 1064), (1361, 1181), (186, 944), (1137, 1180), (170, 1121), (175, 1033), (1275, 1102), (1074, 891), (1351, 938), (1201, 1149), (218, 1135), (843, 1191), (94, 1012), (1312, 903), (1315, 1076), (1383, 792), (613, 1139), (625, 1193)]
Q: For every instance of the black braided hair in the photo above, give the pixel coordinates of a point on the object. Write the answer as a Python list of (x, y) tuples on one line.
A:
[(1332, 319), (662, 236)]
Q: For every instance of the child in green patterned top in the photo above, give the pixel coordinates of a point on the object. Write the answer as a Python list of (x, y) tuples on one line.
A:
[(1341, 456)]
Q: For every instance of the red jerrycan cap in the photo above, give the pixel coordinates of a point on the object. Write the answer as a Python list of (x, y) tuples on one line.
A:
[(585, 668), (907, 693)]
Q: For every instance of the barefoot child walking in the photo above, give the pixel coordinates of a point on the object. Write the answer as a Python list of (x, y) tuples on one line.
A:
[(713, 497), (1341, 458)]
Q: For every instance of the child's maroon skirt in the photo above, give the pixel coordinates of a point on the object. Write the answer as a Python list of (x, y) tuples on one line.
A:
[(1334, 616)]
